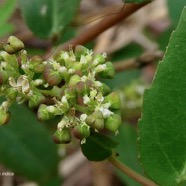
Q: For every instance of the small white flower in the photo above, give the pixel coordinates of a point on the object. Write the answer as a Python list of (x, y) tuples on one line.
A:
[(86, 99), (95, 62), (83, 60), (51, 109), (37, 82), (89, 52), (93, 93), (64, 100), (71, 71), (101, 68), (4, 64), (97, 83), (22, 84), (56, 65), (65, 56), (62, 69), (106, 112), (25, 66), (104, 55), (100, 97), (83, 78), (83, 117)]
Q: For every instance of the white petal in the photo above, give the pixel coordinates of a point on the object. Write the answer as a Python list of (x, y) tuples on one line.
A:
[(12, 82)]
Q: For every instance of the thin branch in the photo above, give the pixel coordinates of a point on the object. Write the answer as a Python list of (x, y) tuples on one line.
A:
[(142, 61), (134, 175), (91, 33)]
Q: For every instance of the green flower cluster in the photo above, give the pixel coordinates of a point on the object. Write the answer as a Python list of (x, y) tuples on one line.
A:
[(65, 85)]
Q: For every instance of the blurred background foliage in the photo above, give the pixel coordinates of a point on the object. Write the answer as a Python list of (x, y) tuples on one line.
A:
[(26, 146)]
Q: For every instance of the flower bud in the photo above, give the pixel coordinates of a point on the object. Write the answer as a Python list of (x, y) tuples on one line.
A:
[(80, 50), (81, 131), (84, 87), (43, 114), (9, 49), (36, 100), (114, 100), (113, 122), (74, 80), (109, 72), (105, 89), (11, 93), (15, 43), (3, 77), (99, 59), (4, 117), (62, 136), (52, 77), (37, 64), (95, 120), (70, 92)]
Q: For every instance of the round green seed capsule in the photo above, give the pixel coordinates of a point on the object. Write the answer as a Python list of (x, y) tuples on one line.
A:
[(109, 72), (81, 131), (114, 99), (95, 120), (113, 122), (62, 136)]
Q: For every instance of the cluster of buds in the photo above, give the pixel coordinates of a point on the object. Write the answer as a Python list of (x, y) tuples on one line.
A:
[(66, 85)]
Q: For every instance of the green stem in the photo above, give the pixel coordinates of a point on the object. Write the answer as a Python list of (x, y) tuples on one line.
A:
[(80, 108), (129, 172)]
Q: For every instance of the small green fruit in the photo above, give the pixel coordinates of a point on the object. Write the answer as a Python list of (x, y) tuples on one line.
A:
[(52, 77), (114, 100), (43, 114), (62, 136), (80, 50), (109, 72), (15, 43), (74, 80), (37, 64), (95, 120), (113, 122), (36, 100), (81, 131), (9, 49)]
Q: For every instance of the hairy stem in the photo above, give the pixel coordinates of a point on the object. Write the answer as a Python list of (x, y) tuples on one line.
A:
[(129, 172)]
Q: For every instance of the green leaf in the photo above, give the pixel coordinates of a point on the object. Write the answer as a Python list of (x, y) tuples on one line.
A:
[(47, 18), (175, 9), (6, 10), (98, 147), (27, 149), (127, 150), (162, 128)]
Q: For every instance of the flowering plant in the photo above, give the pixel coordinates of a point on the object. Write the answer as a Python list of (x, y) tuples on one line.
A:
[(66, 85)]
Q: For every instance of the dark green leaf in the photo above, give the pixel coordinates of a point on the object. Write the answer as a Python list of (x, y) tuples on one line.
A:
[(26, 147), (162, 129), (98, 147), (47, 18)]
